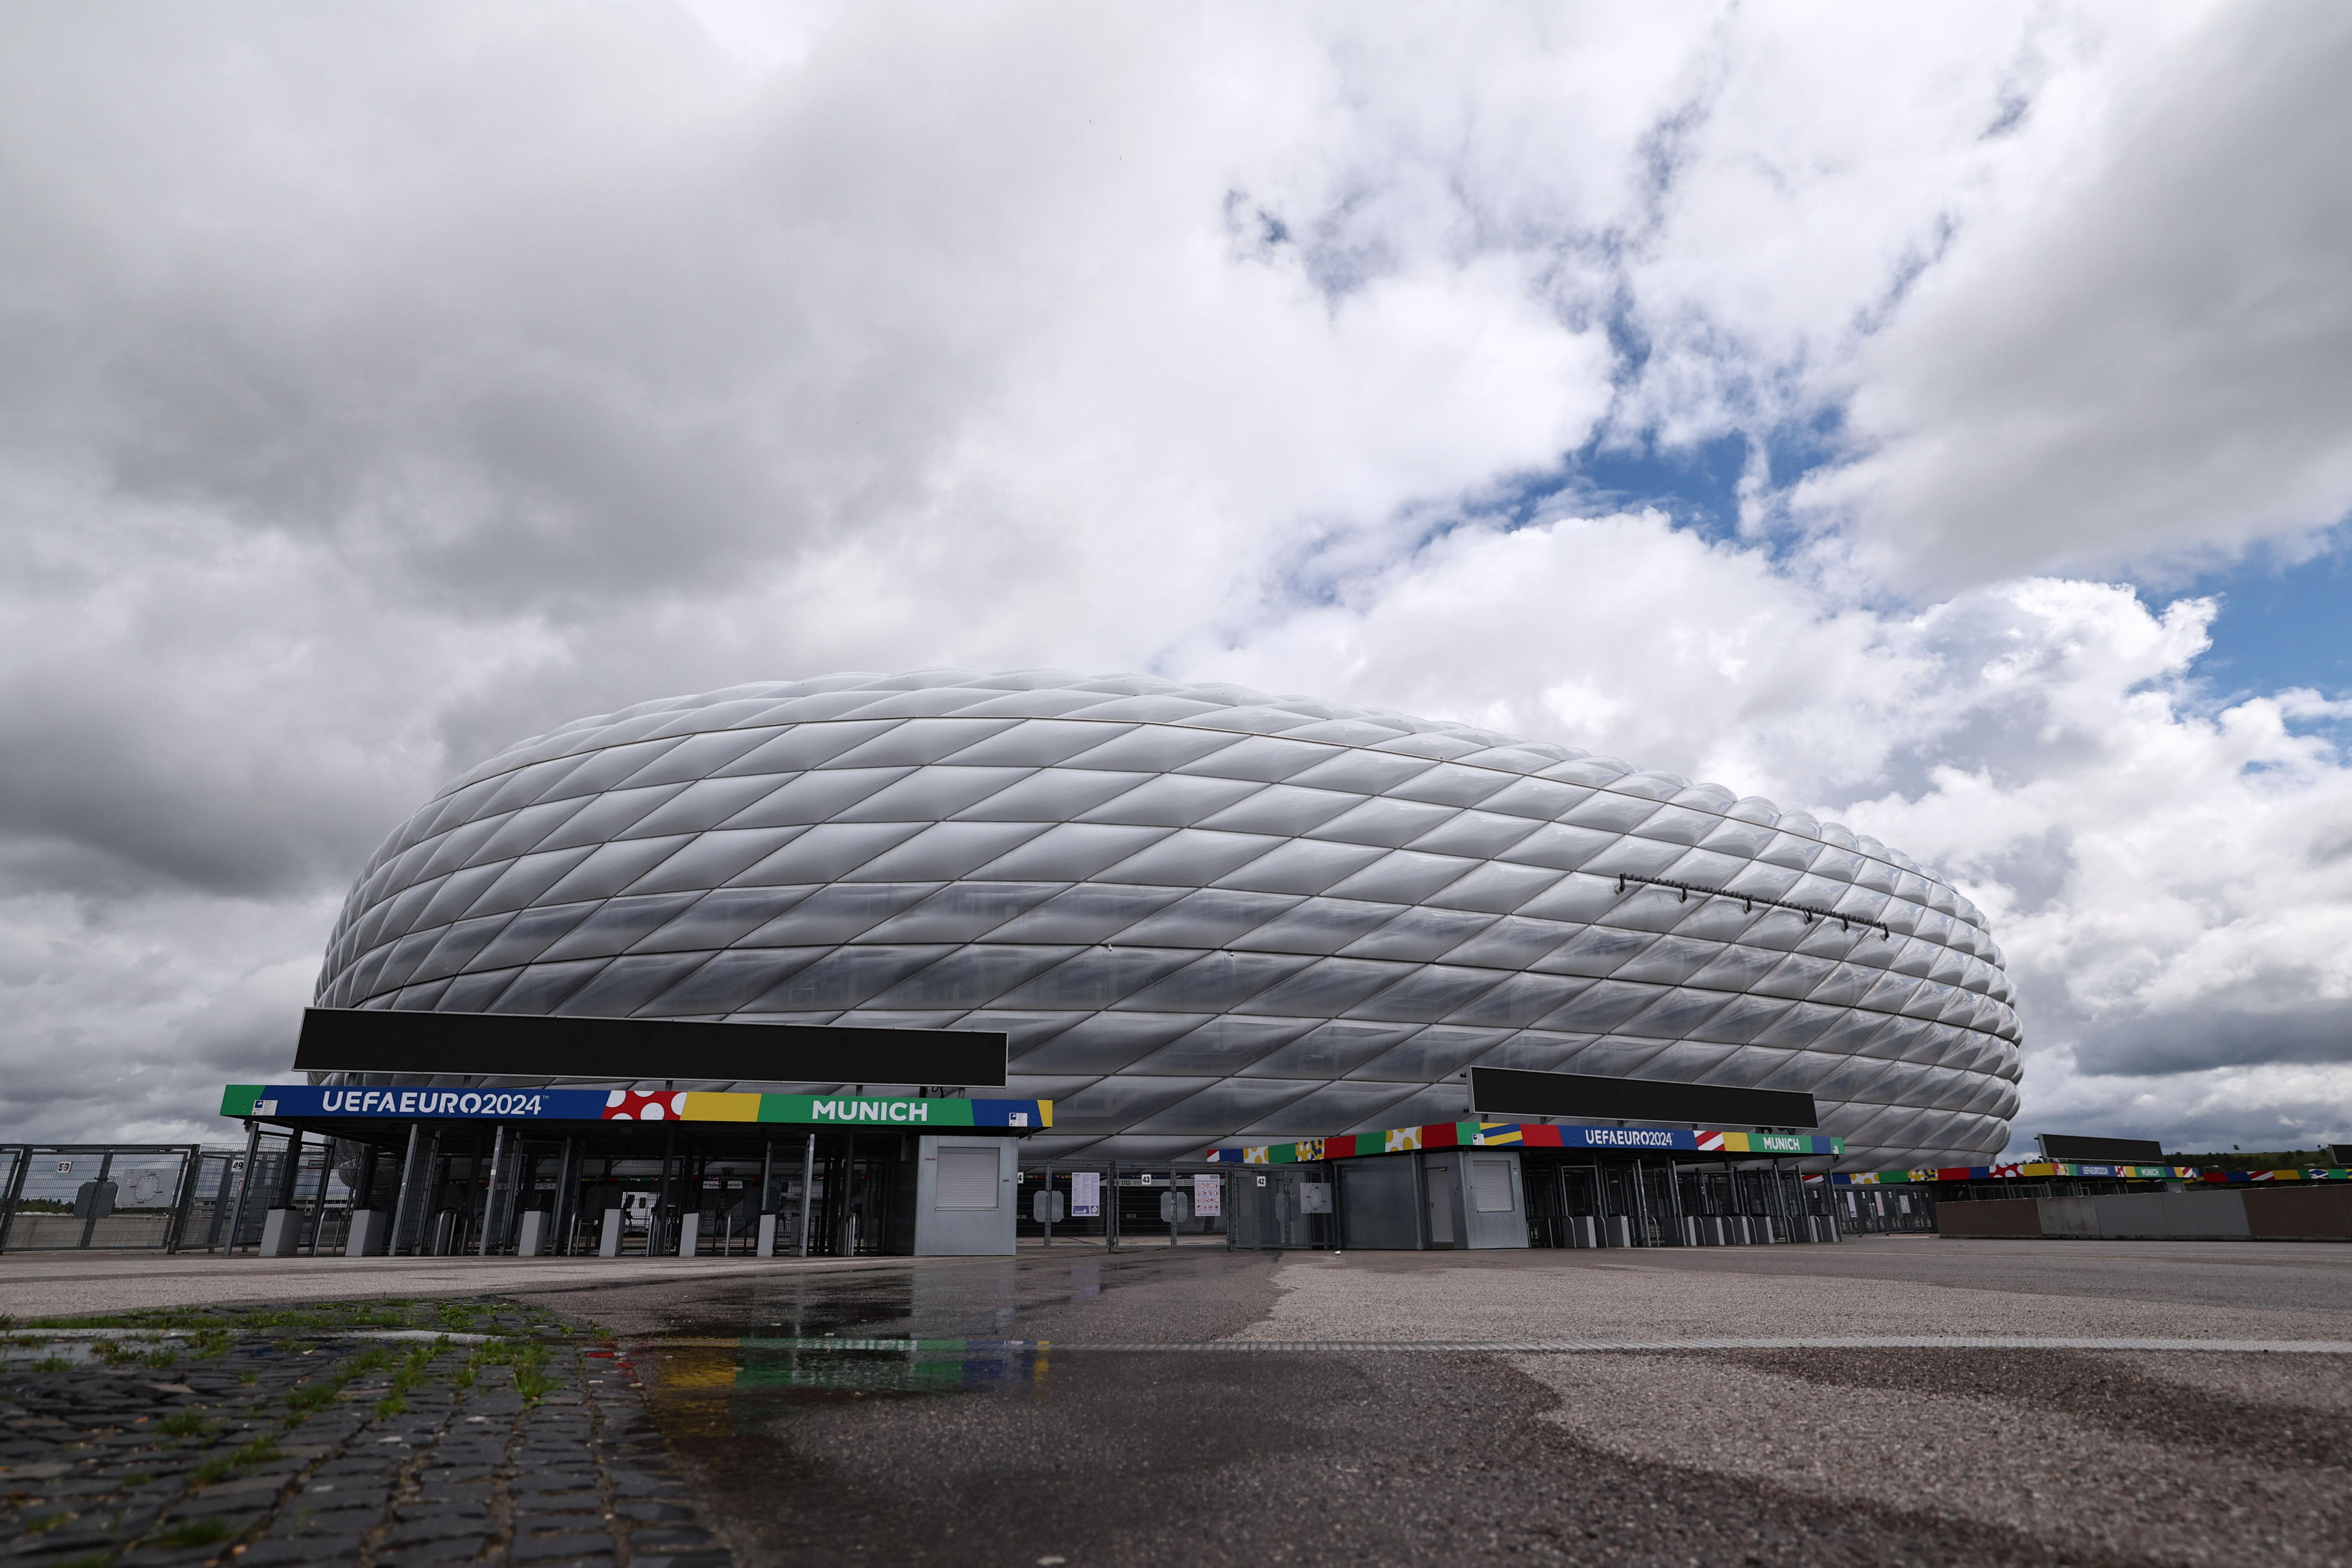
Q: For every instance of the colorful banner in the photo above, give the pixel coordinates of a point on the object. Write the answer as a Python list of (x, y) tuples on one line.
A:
[(1527, 1135), (310, 1101), (2040, 1169)]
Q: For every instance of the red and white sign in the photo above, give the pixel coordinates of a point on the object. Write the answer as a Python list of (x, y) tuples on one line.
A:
[(629, 1104)]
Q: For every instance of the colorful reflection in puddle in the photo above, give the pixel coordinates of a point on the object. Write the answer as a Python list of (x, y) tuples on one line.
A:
[(715, 1373)]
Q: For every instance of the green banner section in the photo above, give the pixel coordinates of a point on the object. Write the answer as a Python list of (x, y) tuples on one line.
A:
[(237, 1098), (848, 1111), (1784, 1144)]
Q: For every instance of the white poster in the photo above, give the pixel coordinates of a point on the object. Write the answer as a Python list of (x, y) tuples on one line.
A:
[(1208, 1196), (1086, 1194)]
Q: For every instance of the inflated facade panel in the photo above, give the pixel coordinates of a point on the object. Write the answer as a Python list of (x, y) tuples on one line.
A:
[(1199, 913)]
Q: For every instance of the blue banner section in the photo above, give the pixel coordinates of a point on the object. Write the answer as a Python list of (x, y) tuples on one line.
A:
[(1627, 1138), (497, 1104)]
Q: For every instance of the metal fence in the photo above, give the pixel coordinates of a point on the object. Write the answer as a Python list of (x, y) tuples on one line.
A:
[(1882, 1211), (58, 1197)]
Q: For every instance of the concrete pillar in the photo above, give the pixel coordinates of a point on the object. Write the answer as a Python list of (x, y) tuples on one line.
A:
[(490, 1191), (530, 1239), (615, 1220), (767, 1248), (371, 1228), (690, 1231), (808, 1189), (281, 1232)]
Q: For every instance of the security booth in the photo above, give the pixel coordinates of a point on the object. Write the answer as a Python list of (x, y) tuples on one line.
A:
[(426, 1161), (1486, 1183)]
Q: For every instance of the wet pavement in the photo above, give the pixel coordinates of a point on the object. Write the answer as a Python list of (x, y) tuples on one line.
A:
[(946, 1412), (384, 1435)]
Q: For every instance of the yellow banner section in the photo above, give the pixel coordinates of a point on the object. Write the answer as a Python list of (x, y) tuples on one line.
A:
[(704, 1105)]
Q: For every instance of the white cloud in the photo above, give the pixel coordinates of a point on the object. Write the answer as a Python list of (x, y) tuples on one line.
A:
[(2142, 354), (2172, 882), (378, 385)]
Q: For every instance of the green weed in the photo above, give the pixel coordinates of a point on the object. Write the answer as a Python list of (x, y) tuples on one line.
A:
[(530, 1379), (206, 1531), (220, 1467), (303, 1403), (186, 1424)]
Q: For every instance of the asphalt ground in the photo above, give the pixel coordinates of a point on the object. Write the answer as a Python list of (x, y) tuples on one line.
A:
[(997, 1440), (1929, 1456)]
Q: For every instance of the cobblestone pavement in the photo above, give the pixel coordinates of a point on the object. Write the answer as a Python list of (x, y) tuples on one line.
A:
[(377, 1434)]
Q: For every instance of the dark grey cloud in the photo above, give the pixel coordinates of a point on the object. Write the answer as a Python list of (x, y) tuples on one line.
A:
[(2272, 1022)]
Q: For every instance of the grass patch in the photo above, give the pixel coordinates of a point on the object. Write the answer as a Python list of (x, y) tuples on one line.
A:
[(220, 1467), (530, 1379), (318, 1315), (207, 1531), (186, 1424), (46, 1523), (413, 1369), (305, 1401)]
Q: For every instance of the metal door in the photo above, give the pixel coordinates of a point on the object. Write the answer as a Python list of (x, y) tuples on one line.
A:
[(1444, 1202), (1493, 1208)]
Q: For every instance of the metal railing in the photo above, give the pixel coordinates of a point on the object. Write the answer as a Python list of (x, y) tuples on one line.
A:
[(61, 1197)]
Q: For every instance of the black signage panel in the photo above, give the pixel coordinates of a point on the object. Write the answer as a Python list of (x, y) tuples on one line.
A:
[(1509, 1092), (514, 1045), (2339, 1154), (2101, 1151)]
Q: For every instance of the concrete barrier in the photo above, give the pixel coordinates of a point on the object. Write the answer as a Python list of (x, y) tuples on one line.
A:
[(2174, 1216), (2299, 1214), (2069, 1216), (1993, 1217), (2235, 1214)]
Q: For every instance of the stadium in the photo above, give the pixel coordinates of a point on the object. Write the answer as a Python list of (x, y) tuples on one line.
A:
[(1199, 914)]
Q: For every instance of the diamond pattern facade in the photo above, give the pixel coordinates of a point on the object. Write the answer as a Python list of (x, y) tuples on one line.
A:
[(1200, 914)]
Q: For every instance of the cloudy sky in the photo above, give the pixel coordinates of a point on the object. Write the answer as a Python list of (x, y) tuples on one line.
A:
[(1941, 419)]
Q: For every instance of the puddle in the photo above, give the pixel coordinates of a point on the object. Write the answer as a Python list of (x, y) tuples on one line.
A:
[(740, 1363), (826, 1368), (36, 1350)]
